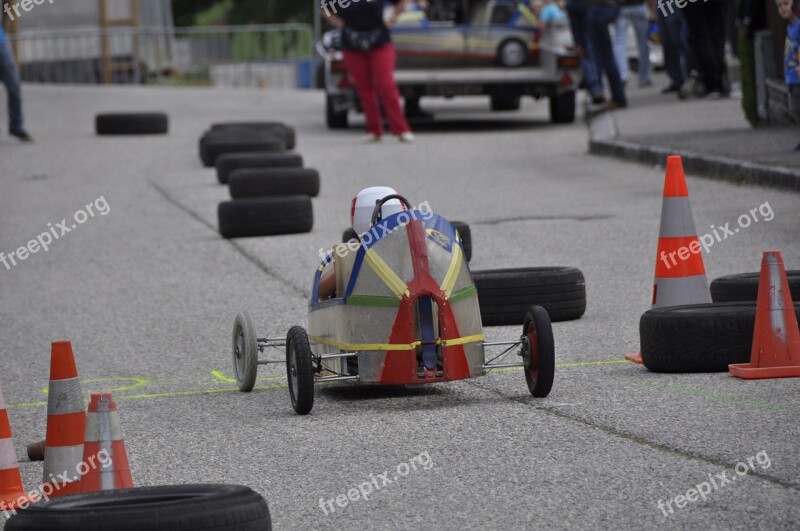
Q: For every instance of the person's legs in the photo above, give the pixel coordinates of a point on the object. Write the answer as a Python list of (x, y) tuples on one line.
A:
[(381, 65), (671, 42), (9, 76), (577, 22), (599, 17), (358, 67), (716, 12), (639, 17), (621, 42), (700, 43)]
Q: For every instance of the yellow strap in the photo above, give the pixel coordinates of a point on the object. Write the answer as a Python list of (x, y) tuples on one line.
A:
[(364, 346), (463, 340), (452, 273), (529, 16), (386, 274)]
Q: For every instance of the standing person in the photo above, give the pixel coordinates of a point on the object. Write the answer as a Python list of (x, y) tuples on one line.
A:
[(599, 14), (10, 78), (370, 58), (790, 10), (671, 30), (576, 11), (637, 14), (706, 24)]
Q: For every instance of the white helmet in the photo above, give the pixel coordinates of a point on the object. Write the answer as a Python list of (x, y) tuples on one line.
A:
[(364, 205)]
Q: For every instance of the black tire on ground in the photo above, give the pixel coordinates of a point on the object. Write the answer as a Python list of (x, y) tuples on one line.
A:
[(504, 295), (562, 108), (230, 162), (265, 216), (261, 182), (179, 507), (698, 337), (505, 103), (349, 234), (539, 355), (214, 145), (334, 119), (245, 352), (154, 123), (466, 237), (299, 370), (279, 128), (744, 287)]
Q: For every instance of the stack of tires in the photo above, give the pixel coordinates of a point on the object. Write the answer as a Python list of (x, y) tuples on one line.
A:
[(707, 337), (271, 191)]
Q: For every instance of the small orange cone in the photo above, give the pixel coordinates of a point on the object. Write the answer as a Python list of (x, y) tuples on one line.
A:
[(776, 337), (104, 456), (680, 276), (66, 423), (12, 492)]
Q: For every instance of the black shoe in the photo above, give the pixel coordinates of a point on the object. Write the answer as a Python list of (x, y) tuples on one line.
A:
[(670, 88), (23, 136), (598, 99)]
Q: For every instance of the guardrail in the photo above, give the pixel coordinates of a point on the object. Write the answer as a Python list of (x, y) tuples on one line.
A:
[(266, 56)]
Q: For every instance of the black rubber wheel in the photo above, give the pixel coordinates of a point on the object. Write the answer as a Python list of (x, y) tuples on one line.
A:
[(334, 119), (179, 507), (504, 295), (466, 237), (562, 108), (152, 123), (698, 337), (744, 287), (288, 133), (539, 351), (245, 352), (505, 103), (213, 145), (260, 182), (265, 216), (349, 234), (226, 164), (299, 370)]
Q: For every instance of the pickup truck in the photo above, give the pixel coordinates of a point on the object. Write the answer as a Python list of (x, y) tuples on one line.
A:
[(500, 51)]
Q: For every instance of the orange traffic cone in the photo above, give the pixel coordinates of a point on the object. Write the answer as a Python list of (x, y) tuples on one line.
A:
[(104, 454), (776, 337), (680, 276), (12, 493), (66, 423)]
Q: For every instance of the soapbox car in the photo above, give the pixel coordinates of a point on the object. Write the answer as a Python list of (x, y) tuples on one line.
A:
[(405, 312)]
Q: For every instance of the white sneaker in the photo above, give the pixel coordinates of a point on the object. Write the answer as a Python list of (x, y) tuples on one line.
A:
[(371, 138), (407, 137)]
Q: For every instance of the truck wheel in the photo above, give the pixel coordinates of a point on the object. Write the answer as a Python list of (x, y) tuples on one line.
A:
[(261, 182), (245, 352), (466, 237), (299, 370), (744, 287), (131, 124), (562, 108), (698, 337), (334, 119), (504, 295), (227, 164), (512, 53), (265, 216), (178, 507), (539, 352), (505, 103)]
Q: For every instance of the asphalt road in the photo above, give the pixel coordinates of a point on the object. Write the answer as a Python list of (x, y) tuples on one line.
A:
[(147, 294)]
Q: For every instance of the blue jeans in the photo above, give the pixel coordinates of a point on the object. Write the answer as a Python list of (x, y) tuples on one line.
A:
[(672, 30), (638, 17), (599, 16), (10, 78), (576, 10)]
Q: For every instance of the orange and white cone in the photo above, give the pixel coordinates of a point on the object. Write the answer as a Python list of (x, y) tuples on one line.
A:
[(776, 337), (104, 456), (680, 276), (12, 492), (66, 423)]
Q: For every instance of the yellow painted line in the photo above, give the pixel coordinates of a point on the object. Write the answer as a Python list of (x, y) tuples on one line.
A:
[(226, 379), (385, 273), (137, 383)]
